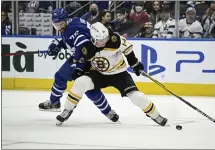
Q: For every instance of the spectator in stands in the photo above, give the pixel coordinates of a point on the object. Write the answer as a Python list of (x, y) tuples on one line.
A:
[(189, 27), (72, 7), (6, 6), (139, 17), (105, 19), (209, 12), (123, 26), (32, 7), (155, 15), (46, 6), (146, 31), (21, 7), (93, 15), (209, 23), (165, 28), (6, 25), (212, 31), (208, 17)]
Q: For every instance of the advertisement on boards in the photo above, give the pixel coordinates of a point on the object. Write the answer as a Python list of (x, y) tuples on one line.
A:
[(178, 63), (168, 61)]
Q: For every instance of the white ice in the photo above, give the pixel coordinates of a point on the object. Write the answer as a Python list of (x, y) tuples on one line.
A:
[(25, 127)]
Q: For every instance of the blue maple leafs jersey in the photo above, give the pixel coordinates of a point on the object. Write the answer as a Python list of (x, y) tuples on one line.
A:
[(76, 35)]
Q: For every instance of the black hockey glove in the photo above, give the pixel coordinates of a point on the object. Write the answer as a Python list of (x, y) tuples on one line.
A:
[(137, 68), (54, 48), (53, 51)]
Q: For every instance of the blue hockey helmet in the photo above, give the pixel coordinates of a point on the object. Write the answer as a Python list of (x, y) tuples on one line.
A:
[(59, 15)]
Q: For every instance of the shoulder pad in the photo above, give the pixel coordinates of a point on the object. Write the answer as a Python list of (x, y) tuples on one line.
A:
[(88, 50), (114, 41)]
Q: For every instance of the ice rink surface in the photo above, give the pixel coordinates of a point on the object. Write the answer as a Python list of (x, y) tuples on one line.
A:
[(25, 127)]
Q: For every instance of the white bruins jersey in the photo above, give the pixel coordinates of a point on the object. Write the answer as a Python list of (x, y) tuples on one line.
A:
[(193, 30), (110, 60), (164, 29)]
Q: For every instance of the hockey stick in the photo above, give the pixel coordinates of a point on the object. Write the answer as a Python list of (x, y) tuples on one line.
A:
[(25, 53), (180, 98)]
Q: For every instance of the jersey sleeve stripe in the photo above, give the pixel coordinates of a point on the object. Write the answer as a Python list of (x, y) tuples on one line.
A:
[(172, 26), (82, 42), (78, 38), (128, 50), (198, 33), (110, 49)]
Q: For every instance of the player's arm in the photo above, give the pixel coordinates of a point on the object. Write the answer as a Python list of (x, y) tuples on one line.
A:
[(156, 29), (84, 50), (198, 31), (171, 29), (127, 49)]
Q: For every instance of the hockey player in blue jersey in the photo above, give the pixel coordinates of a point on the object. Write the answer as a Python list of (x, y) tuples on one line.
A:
[(75, 34)]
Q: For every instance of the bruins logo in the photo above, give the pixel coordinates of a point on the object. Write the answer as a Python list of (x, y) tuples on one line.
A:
[(84, 50), (114, 38), (101, 64)]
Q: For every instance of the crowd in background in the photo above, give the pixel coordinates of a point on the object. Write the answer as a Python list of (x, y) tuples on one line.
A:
[(147, 19)]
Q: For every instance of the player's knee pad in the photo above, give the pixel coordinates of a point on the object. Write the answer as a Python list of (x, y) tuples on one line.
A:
[(94, 95), (82, 84), (138, 99)]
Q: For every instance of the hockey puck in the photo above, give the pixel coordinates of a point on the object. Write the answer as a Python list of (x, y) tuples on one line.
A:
[(179, 127), (21, 45)]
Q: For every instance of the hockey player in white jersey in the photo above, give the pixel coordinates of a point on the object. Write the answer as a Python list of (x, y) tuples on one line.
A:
[(189, 27), (165, 28), (110, 69)]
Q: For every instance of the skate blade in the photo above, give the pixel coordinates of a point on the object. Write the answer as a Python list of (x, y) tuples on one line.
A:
[(50, 110), (118, 122), (167, 124), (58, 123)]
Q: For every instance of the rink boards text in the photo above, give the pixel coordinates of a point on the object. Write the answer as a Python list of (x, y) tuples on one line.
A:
[(185, 66)]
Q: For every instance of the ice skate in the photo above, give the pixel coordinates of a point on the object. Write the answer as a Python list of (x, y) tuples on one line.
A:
[(113, 116), (160, 120), (63, 116), (49, 106)]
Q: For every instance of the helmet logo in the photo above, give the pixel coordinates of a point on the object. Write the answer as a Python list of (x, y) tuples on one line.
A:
[(95, 28)]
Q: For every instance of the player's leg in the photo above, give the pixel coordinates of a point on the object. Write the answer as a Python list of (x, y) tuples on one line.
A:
[(59, 86), (125, 84), (101, 102), (85, 83), (80, 86)]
